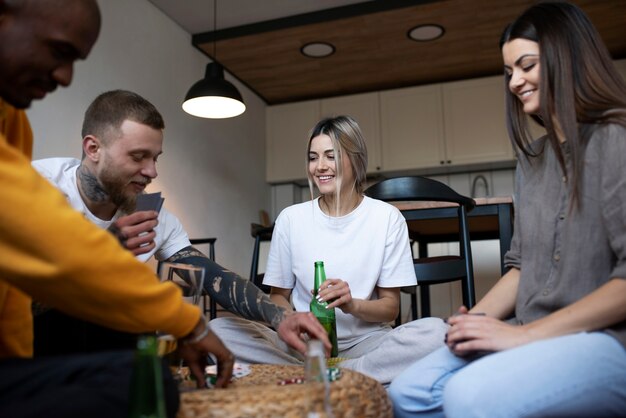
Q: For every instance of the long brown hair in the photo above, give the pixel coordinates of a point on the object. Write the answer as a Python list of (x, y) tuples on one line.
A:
[(579, 85)]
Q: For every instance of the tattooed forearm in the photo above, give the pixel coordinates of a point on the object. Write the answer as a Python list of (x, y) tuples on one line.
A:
[(184, 253), (232, 292)]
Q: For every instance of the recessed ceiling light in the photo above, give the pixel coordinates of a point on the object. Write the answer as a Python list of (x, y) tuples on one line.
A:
[(428, 32), (317, 50)]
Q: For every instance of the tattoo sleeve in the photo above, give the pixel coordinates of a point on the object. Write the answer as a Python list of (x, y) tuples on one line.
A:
[(231, 291)]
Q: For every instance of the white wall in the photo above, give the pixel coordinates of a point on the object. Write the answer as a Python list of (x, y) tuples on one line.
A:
[(212, 171)]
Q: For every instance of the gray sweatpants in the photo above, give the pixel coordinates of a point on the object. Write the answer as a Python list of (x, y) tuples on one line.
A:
[(382, 355)]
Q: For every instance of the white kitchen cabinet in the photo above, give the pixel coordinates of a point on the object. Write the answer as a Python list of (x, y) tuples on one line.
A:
[(288, 127), (412, 131), (287, 133), (446, 124), (474, 120), (364, 109)]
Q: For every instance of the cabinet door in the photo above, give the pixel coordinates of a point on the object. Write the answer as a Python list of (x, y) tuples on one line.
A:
[(288, 128), (474, 114), (412, 128), (364, 109)]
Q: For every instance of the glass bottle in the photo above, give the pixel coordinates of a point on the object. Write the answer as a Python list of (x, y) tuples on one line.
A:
[(146, 385), (318, 308), (316, 378)]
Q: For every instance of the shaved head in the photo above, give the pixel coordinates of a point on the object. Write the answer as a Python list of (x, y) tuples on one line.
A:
[(39, 42)]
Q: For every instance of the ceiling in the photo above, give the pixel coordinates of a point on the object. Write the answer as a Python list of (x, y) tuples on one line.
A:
[(259, 42)]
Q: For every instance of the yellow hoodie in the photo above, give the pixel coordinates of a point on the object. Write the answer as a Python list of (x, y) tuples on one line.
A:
[(48, 251)]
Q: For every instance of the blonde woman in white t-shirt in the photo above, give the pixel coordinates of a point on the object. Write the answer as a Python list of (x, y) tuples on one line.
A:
[(365, 248)]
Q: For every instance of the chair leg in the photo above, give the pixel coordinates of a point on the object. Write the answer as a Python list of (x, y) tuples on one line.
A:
[(425, 300), (254, 268), (399, 317), (213, 309), (424, 289)]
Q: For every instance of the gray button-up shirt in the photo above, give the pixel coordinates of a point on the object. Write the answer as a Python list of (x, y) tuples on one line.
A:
[(566, 254)]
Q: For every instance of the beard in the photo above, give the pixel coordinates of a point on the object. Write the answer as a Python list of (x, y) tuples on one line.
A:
[(115, 187)]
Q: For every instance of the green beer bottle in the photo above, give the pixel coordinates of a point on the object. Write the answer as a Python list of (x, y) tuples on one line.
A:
[(325, 316), (146, 385)]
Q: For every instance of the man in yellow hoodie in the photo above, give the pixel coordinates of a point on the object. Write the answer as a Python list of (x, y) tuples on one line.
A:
[(50, 252)]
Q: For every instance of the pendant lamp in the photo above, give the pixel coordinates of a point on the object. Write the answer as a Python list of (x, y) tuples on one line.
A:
[(213, 97)]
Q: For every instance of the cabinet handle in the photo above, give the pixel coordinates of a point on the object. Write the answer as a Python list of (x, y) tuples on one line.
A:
[(449, 162), (441, 162)]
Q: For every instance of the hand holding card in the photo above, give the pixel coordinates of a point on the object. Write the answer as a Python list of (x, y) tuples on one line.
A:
[(135, 231), (149, 201)]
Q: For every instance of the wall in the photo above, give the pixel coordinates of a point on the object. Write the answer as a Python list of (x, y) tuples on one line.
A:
[(212, 171)]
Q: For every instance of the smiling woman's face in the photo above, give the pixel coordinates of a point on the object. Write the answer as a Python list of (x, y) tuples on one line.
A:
[(323, 167), (521, 64)]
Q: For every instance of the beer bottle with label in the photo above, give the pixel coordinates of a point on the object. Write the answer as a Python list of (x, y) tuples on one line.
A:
[(325, 316)]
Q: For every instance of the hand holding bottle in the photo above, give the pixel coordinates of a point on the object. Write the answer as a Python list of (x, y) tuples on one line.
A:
[(337, 293)]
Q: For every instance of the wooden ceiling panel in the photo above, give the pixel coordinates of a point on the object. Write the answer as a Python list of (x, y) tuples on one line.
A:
[(373, 51)]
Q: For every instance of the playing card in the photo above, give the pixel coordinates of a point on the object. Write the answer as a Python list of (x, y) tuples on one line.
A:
[(149, 201), (239, 370)]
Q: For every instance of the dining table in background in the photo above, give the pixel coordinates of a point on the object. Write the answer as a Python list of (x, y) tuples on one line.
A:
[(435, 222)]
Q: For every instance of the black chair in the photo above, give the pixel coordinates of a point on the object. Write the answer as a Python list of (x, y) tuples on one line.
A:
[(432, 270), (260, 234), (212, 306)]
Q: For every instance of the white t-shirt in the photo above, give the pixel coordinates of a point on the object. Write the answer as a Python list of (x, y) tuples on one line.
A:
[(368, 247), (61, 172)]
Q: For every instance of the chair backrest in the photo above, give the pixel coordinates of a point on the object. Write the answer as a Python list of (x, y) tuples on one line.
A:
[(417, 188), (210, 241), (196, 241), (212, 306), (431, 270), (260, 234)]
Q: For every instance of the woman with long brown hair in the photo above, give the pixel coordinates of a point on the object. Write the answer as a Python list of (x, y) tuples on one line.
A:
[(549, 338)]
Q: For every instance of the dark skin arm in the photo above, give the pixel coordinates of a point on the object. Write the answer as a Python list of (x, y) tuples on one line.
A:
[(195, 354)]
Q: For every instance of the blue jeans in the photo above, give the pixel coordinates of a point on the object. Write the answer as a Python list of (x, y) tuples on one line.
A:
[(580, 375)]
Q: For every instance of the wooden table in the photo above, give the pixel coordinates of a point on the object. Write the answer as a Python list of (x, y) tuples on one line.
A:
[(434, 222), (492, 218), (259, 395)]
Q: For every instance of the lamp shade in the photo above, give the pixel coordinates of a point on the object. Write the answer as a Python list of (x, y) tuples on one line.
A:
[(213, 97)]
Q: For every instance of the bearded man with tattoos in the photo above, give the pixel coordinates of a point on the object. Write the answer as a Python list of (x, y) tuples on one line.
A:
[(122, 140)]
